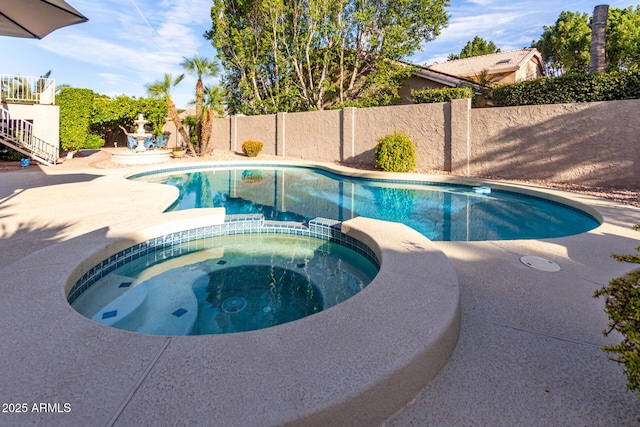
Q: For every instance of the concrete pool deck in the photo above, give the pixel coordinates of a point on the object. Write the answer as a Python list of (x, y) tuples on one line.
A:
[(529, 351)]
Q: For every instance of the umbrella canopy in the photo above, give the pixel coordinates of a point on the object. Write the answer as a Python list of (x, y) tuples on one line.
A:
[(36, 18)]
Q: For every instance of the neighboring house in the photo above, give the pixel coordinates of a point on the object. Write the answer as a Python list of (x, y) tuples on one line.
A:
[(503, 67), (425, 78)]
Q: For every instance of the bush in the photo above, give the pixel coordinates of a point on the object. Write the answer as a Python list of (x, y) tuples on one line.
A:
[(623, 308), (395, 153), (10, 154), (75, 110), (93, 142), (252, 147), (447, 94), (570, 88)]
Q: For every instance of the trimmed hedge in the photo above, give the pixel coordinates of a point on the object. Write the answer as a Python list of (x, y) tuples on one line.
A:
[(428, 96), (570, 88), (395, 153), (75, 112)]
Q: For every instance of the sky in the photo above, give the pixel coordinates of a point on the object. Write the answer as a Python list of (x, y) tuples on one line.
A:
[(127, 44)]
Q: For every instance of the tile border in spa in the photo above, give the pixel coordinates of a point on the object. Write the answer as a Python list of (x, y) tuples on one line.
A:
[(162, 246)]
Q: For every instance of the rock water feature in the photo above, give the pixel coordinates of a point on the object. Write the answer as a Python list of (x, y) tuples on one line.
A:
[(140, 154)]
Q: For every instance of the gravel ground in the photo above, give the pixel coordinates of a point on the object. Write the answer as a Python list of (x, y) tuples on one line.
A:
[(628, 196)]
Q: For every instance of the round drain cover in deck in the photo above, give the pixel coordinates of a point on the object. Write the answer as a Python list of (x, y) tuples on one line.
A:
[(539, 263)]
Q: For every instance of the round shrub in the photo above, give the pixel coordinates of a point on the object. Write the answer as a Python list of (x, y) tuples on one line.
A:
[(395, 153), (252, 147), (93, 142)]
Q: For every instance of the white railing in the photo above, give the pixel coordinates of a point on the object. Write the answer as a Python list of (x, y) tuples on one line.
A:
[(32, 90), (18, 134)]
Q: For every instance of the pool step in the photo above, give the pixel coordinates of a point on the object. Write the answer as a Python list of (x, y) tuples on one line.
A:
[(163, 305), (121, 311)]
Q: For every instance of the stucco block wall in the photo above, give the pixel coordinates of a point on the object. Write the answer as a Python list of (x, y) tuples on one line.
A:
[(316, 132), (262, 128), (221, 134), (588, 143), (425, 124)]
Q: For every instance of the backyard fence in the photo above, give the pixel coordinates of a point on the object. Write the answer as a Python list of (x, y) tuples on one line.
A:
[(587, 143)]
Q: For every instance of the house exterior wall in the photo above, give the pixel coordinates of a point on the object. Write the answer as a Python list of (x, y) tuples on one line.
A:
[(588, 143), (509, 77), (415, 83), (530, 71), (45, 119)]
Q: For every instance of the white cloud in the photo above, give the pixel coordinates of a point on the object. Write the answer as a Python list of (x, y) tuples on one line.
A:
[(112, 78), (482, 2), (140, 40)]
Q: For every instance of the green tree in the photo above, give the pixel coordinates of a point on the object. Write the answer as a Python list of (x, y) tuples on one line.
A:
[(107, 114), (162, 89), (623, 39), (318, 54), (565, 45), (200, 67), (191, 127), (476, 47)]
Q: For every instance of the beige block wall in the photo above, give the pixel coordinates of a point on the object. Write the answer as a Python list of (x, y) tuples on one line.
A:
[(316, 134), (262, 128), (221, 133), (589, 143), (426, 124)]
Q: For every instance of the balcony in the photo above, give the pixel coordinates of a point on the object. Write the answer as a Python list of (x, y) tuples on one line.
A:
[(27, 90)]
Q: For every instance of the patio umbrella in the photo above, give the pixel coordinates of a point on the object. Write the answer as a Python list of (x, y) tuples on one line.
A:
[(36, 18)]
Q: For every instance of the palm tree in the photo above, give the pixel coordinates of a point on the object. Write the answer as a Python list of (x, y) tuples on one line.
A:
[(162, 89), (598, 62), (212, 105), (201, 67), (486, 83)]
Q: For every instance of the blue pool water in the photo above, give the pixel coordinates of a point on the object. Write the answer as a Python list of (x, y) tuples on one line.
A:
[(226, 284), (438, 211)]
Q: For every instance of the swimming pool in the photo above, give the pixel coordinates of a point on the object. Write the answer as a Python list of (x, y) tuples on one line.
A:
[(448, 212)]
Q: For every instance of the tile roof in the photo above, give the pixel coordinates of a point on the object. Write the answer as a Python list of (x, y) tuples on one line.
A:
[(494, 63)]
